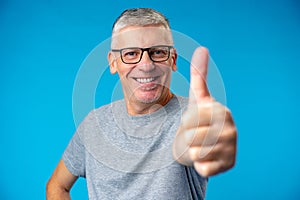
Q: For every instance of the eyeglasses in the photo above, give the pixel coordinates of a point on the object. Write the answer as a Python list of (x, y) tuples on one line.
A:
[(133, 55)]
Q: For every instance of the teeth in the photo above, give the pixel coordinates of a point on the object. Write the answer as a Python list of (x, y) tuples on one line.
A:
[(144, 80)]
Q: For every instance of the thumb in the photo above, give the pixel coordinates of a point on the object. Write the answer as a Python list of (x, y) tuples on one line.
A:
[(199, 67)]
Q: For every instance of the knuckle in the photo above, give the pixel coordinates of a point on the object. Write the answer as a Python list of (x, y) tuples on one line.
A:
[(229, 134)]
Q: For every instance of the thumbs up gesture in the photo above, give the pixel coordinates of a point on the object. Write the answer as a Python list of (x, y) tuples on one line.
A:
[(206, 137)]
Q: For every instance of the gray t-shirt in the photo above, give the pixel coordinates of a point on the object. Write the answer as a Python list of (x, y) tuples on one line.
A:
[(130, 157)]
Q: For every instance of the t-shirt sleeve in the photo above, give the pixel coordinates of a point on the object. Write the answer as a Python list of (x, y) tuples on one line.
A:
[(74, 156)]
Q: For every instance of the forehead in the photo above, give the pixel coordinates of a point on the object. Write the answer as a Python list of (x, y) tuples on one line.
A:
[(145, 36)]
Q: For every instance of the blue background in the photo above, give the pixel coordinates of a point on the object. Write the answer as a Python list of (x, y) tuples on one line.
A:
[(255, 44)]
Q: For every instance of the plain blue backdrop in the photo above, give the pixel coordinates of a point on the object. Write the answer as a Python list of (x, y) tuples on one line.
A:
[(255, 44)]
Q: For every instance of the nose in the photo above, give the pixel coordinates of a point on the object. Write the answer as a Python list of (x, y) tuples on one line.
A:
[(146, 64)]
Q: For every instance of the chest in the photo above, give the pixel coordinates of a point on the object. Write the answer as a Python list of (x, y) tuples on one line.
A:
[(169, 182)]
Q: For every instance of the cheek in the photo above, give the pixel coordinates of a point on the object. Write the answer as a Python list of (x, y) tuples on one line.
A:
[(123, 74), (123, 71), (167, 70), (171, 64), (169, 67)]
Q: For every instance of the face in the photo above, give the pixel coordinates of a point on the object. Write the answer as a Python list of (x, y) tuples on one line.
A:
[(146, 82)]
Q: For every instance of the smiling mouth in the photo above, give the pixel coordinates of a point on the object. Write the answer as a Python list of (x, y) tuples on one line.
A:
[(145, 80)]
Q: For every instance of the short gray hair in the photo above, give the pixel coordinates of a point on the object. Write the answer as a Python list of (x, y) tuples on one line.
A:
[(140, 17)]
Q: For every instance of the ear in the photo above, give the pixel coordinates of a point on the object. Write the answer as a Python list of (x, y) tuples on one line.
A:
[(112, 62), (174, 59)]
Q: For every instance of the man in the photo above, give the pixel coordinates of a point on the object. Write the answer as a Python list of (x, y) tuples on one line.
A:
[(142, 147)]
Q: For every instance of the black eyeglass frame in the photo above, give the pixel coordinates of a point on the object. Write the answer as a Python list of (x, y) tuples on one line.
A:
[(143, 49)]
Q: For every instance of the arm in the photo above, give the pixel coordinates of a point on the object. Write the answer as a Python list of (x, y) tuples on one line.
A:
[(60, 183), (207, 136)]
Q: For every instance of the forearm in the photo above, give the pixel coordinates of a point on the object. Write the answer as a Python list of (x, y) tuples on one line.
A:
[(60, 183), (54, 192)]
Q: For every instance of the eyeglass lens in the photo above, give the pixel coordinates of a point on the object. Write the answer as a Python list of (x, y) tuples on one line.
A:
[(134, 55)]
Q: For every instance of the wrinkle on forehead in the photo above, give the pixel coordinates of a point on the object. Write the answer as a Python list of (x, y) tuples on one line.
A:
[(141, 36)]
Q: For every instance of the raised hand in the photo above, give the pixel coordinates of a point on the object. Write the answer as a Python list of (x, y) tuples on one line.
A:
[(206, 138)]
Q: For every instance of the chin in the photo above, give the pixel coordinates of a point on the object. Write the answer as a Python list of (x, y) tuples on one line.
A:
[(148, 99)]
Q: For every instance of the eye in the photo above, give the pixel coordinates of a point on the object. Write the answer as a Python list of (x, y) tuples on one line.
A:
[(131, 53), (159, 52)]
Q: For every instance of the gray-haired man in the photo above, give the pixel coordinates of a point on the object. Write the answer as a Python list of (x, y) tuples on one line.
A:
[(144, 147)]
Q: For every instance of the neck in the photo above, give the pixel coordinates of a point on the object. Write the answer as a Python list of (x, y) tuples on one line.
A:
[(139, 108)]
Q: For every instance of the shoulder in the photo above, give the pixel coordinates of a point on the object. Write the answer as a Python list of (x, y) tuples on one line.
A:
[(178, 103), (182, 100), (100, 115), (105, 110)]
